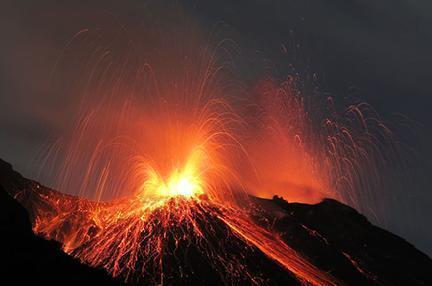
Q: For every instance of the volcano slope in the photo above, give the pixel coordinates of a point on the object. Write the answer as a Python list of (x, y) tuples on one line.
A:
[(27, 259), (333, 238)]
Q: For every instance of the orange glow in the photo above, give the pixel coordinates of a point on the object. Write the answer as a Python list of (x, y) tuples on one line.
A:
[(161, 150), (287, 160), (184, 182), (121, 235)]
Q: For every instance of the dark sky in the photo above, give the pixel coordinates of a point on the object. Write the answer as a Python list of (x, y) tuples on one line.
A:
[(376, 51)]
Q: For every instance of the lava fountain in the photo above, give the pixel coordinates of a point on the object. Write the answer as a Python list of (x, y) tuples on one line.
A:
[(161, 164), (155, 170), (140, 238)]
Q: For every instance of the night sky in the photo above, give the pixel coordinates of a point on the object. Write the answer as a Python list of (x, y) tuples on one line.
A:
[(373, 51)]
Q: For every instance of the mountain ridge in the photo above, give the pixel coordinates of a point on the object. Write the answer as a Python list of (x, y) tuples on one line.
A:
[(334, 237)]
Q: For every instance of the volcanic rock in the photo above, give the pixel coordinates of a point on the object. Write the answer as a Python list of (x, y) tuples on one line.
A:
[(332, 236)]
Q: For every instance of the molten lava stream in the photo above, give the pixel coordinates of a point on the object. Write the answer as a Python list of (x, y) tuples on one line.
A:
[(271, 245), (135, 238)]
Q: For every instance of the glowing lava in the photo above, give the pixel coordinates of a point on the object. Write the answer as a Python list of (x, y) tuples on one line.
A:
[(147, 237), (167, 172), (151, 240), (185, 182), (179, 184)]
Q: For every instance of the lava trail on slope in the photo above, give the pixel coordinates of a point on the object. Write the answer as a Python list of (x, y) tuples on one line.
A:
[(177, 240), (195, 241)]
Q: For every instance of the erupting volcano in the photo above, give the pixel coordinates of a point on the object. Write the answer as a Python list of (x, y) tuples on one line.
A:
[(166, 240), (165, 175), (177, 218)]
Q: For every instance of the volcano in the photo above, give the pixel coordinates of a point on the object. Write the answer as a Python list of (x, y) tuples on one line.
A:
[(195, 242)]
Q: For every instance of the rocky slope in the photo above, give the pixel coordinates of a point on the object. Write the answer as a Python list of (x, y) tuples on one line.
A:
[(332, 236)]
